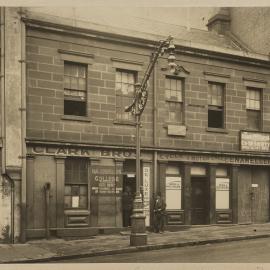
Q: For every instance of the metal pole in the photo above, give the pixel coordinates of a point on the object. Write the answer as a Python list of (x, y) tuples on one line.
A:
[(138, 156)]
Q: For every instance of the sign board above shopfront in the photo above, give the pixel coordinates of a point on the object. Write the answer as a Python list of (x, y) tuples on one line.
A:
[(255, 141)]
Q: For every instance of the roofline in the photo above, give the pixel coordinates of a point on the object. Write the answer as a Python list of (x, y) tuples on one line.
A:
[(149, 42)]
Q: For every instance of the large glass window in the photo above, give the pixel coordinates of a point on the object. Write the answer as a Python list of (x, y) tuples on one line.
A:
[(76, 183), (75, 96), (173, 188), (215, 105), (125, 81), (174, 99), (253, 106), (222, 189)]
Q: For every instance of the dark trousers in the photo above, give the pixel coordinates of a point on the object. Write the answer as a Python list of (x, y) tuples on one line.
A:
[(126, 218), (159, 222)]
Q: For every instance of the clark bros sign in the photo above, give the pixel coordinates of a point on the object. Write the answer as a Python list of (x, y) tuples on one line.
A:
[(248, 143)]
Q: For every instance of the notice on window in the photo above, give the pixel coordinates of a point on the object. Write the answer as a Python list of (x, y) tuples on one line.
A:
[(173, 192), (75, 201)]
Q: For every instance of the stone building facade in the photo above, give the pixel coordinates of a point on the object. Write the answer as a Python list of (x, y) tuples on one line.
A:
[(204, 137)]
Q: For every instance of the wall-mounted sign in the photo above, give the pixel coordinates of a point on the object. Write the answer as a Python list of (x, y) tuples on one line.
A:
[(177, 130), (220, 159), (255, 141), (146, 194), (254, 185)]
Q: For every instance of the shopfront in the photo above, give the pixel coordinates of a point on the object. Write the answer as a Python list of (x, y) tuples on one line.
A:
[(214, 189), (85, 187)]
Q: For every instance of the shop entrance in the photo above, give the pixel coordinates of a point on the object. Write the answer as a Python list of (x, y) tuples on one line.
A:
[(199, 200), (129, 190)]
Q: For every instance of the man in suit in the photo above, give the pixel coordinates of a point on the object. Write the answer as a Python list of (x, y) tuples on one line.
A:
[(159, 214)]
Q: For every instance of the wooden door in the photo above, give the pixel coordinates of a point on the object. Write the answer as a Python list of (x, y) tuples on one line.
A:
[(199, 201)]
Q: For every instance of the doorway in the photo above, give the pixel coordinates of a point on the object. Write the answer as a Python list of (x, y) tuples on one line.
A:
[(199, 200), (129, 190)]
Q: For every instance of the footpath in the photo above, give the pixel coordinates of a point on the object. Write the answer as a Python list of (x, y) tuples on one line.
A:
[(39, 251)]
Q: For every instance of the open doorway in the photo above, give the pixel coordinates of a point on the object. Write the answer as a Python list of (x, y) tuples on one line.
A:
[(129, 190)]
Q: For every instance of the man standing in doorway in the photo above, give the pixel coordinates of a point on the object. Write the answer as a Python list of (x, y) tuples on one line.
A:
[(127, 205), (159, 214)]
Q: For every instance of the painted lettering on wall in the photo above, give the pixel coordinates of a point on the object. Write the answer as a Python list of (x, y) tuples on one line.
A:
[(146, 194), (82, 152), (215, 159), (105, 180)]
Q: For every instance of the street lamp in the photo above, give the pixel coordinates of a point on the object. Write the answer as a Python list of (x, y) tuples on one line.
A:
[(138, 235)]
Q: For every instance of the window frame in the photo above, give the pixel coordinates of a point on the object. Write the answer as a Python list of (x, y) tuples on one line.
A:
[(131, 119), (229, 191), (176, 102), (76, 99), (260, 111), (79, 184), (217, 108)]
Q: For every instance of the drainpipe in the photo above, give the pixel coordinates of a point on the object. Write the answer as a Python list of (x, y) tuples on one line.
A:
[(3, 121), (12, 206), (23, 129)]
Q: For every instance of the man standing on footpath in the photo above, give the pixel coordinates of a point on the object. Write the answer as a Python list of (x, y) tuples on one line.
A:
[(159, 214)]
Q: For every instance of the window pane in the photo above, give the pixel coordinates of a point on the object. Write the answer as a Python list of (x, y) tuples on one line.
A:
[(83, 202), (253, 119), (215, 118), (222, 193), (67, 201)]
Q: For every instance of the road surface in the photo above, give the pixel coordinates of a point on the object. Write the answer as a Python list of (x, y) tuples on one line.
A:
[(247, 251)]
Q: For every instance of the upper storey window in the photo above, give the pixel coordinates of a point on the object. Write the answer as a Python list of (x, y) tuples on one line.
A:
[(253, 106), (75, 85), (215, 105), (125, 87), (174, 99)]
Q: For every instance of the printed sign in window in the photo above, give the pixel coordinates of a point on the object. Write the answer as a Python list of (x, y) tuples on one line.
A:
[(173, 192)]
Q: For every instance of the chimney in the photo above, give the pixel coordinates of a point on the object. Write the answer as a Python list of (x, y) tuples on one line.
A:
[(220, 23)]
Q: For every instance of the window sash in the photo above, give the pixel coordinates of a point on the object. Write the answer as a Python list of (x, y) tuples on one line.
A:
[(215, 94), (253, 99), (174, 89), (125, 90)]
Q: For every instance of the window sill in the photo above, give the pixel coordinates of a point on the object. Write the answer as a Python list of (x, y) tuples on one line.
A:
[(76, 212), (217, 130), (119, 122), (76, 118)]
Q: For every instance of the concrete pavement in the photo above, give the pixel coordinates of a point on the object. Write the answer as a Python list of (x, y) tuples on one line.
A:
[(56, 249)]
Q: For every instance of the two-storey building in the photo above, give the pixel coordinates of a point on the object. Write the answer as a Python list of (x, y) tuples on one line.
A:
[(204, 137)]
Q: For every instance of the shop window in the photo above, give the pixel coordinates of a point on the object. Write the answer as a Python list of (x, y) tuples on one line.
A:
[(76, 183), (222, 189), (253, 106), (75, 96), (125, 86), (173, 188), (174, 99), (215, 105)]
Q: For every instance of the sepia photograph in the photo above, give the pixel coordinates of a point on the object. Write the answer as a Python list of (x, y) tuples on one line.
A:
[(134, 135)]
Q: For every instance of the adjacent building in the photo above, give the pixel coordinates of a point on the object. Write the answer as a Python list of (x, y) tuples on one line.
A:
[(205, 130)]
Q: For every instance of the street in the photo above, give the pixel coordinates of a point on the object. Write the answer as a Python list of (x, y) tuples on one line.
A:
[(248, 251)]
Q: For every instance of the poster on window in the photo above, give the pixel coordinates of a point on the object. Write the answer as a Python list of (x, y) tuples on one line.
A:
[(222, 193), (146, 194), (173, 192)]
